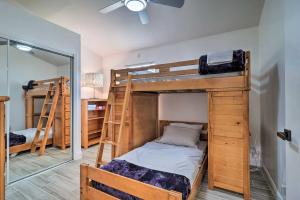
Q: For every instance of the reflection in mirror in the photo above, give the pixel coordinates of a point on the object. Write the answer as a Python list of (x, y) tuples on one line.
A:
[(3, 67), (39, 115)]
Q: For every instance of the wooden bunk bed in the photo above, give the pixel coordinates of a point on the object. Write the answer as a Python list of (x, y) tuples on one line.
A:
[(61, 121), (131, 120)]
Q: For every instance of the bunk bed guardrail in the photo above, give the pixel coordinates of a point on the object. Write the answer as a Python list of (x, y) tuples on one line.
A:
[(155, 74)]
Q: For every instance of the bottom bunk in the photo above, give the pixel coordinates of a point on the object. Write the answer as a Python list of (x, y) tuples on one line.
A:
[(156, 170), (20, 141)]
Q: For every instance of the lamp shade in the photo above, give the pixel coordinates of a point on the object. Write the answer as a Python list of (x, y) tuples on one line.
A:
[(93, 80)]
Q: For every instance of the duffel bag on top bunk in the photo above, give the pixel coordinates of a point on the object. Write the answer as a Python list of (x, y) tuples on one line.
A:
[(222, 62)]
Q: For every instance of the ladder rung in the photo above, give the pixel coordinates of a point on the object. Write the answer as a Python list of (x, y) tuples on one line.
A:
[(45, 116), (49, 103), (118, 86), (111, 122), (38, 144), (109, 142), (39, 114)]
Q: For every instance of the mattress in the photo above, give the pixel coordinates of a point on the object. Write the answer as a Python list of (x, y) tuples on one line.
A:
[(30, 133), (180, 77), (173, 159)]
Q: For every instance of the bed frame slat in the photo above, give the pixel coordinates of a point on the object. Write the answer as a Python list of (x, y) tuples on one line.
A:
[(97, 194), (130, 186)]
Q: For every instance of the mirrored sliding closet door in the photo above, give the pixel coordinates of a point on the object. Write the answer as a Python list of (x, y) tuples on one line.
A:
[(39, 87)]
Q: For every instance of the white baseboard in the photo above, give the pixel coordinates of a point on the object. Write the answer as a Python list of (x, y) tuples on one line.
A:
[(274, 188)]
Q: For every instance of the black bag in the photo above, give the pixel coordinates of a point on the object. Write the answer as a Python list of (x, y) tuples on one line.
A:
[(237, 65), (29, 86)]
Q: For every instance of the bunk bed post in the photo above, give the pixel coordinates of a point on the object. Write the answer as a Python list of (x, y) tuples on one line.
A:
[(210, 152), (130, 121), (246, 127), (62, 108), (84, 181), (246, 186), (113, 77), (113, 109), (248, 70), (29, 111)]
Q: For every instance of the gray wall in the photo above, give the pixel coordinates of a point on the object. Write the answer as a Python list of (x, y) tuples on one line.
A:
[(271, 36), (292, 97), (20, 25)]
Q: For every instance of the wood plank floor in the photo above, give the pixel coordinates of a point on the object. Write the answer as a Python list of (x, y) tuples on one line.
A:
[(26, 163), (63, 184)]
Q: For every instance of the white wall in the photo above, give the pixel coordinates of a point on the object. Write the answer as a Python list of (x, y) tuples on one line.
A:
[(3, 70), (292, 96), (20, 25), (193, 107), (271, 37), (187, 107), (22, 67), (64, 70), (90, 62)]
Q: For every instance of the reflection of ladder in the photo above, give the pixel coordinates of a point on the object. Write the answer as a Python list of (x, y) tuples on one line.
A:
[(114, 123), (52, 94)]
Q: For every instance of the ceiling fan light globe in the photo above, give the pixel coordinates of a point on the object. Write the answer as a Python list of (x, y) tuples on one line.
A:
[(24, 47), (136, 5)]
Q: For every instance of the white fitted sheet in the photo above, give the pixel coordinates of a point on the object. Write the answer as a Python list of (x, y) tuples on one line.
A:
[(30, 133), (168, 158)]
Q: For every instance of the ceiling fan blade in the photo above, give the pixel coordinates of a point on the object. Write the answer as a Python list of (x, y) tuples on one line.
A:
[(112, 7), (173, 3), (144, 17)]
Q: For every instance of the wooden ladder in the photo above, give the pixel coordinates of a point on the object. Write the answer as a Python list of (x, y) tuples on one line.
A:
[(113, 135), (52, 94)]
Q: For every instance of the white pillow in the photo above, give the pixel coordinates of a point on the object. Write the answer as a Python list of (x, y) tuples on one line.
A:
[(184, 125), (180, 136)]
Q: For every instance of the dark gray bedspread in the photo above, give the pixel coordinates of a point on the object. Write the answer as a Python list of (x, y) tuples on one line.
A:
[(159, 179)]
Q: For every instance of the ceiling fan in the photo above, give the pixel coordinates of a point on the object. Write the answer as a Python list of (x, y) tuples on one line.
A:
[(140, 7)]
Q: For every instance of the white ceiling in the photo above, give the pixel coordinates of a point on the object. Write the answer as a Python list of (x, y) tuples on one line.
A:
[(55, 59), (121, 30), (52, 58)]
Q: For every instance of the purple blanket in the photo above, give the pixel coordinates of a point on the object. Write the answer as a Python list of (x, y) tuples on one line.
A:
[(15, 139), (159, 179)]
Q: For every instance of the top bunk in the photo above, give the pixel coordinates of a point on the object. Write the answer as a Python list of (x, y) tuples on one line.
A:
[(184, 76), (39, 88)]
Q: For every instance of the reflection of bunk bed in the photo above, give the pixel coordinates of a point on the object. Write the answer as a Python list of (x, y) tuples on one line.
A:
[(132, 118), (22, 140), (60, 133)]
